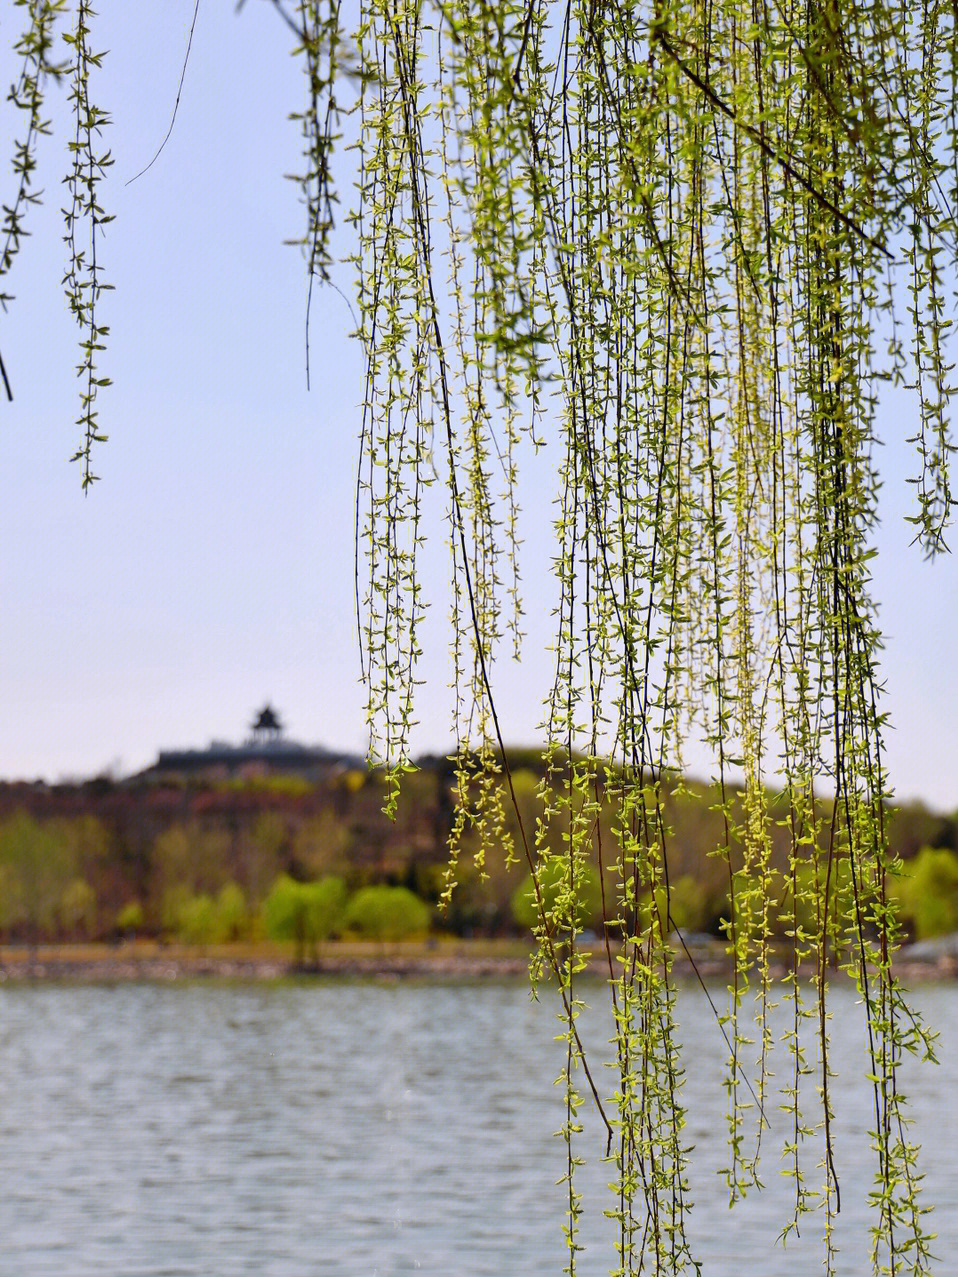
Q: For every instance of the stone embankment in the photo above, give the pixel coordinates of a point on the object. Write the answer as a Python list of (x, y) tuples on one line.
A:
[(429, 960)]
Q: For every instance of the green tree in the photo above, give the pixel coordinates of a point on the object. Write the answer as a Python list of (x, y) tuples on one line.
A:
[(77, 908), (304, 912), (321, 844), (38, 870), (387, 913), (171, 876), (688, 904), (565, 902), (232, 914), (207, 919), (928, 891), (186, 859), (260, 853), (195, 920)]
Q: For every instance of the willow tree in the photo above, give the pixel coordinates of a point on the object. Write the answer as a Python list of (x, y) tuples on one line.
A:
[(688, 240)]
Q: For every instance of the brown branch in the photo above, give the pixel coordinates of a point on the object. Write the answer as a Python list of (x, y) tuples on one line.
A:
[(755, 134)]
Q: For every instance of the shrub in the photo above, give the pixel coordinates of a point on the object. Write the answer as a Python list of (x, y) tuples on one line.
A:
[(387, 913), (129, 920), (172, 903), (687, 904), (232, 916), (196, 923), (554, 887)]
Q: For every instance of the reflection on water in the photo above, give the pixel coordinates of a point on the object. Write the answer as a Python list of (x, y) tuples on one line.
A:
[(359, 1129)]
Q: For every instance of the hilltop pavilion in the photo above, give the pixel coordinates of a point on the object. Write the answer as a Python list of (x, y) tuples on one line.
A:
[(266, 751)]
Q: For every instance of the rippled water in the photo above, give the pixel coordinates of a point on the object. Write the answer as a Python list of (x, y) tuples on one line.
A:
[(353, 1128)]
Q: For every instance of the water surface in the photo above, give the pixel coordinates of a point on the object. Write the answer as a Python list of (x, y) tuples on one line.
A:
[(211, 1130)]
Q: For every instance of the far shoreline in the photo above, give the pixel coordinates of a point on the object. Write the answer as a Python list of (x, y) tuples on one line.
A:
[(446, 960)]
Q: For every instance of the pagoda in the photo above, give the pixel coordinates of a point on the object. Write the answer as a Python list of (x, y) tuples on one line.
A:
[(266, 726)]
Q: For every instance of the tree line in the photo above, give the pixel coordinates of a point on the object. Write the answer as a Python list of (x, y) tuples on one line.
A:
[(212, 861)]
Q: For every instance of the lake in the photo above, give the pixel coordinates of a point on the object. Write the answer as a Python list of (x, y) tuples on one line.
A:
[(291, 1129)]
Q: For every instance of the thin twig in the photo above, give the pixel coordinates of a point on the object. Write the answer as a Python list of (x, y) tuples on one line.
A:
[(6, 381), (176, 104)]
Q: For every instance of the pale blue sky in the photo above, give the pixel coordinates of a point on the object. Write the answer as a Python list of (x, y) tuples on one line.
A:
[(211, 568)]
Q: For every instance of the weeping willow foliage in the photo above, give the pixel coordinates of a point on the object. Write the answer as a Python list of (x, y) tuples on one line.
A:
[(684, 241)]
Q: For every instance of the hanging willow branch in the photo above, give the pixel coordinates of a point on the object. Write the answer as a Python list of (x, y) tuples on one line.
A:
[(84, 219), (680, 220), (669, 239), (35, 48)]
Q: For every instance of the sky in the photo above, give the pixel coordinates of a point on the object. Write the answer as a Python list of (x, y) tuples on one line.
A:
[(211, 568)]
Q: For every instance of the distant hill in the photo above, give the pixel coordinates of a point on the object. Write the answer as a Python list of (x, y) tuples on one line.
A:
[(196, 823)]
